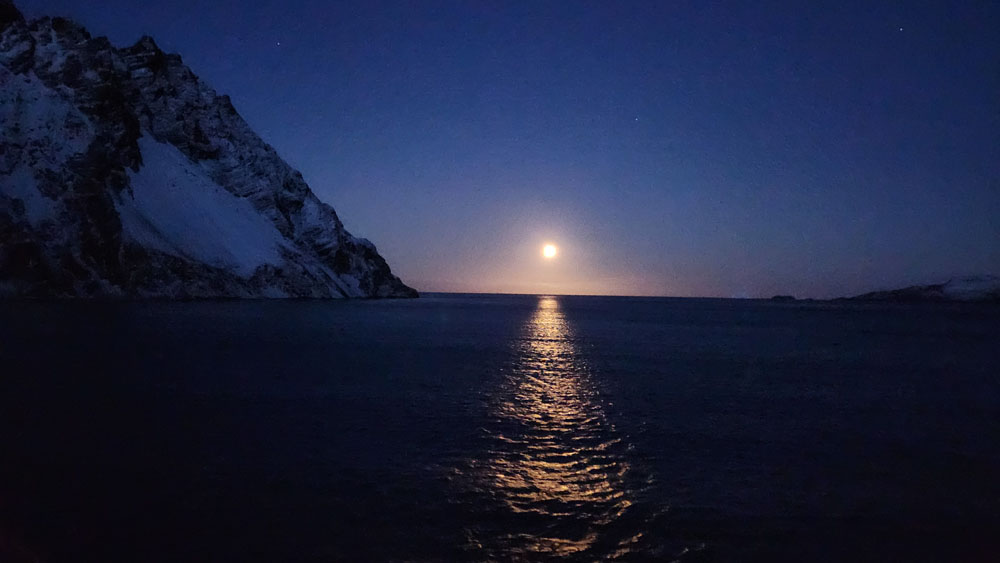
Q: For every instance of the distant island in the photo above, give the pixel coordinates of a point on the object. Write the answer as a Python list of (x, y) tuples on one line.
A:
[(969, 289)]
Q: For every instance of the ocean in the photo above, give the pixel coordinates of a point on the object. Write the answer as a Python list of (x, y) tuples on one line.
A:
[(502, 428)]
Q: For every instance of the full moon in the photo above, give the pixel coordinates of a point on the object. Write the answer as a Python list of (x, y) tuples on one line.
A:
[(549, 251)]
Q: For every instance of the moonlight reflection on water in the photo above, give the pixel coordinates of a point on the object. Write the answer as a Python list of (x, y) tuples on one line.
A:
[(556, 466)]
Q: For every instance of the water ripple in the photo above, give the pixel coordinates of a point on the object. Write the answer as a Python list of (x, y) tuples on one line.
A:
[(556, 471)]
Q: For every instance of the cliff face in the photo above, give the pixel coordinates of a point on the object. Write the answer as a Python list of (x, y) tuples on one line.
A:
[(123, 174)]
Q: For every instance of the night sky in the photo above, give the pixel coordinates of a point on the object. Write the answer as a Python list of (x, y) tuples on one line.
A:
[(667, 148)]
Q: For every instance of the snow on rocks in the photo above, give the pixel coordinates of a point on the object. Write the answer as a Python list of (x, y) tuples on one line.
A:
[(123, 174)]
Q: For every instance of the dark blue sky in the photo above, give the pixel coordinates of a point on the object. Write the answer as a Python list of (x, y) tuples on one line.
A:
[(667, 148)]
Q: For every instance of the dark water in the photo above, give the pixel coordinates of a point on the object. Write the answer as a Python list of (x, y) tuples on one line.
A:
[(499, 428)]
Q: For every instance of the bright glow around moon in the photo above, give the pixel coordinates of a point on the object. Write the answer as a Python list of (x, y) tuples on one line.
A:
[(549, 251)]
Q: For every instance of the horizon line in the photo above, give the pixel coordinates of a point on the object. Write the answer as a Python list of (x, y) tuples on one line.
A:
[(543, 294)]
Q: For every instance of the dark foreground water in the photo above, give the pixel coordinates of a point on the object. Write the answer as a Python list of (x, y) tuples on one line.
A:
[(499, 428)]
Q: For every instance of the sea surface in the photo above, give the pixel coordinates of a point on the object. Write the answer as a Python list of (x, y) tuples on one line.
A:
[(503, 428)]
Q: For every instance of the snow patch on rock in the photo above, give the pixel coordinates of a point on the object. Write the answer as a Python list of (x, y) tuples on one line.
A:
[(21, 185), (175, 208), (973, 288), (39, 121)]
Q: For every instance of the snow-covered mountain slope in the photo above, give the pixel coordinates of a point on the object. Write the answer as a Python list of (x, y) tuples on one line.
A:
[(123, 174), (175, 208), (976, 288)]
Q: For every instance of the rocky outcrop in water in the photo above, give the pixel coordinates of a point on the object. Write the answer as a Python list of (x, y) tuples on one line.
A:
[(122, 174)]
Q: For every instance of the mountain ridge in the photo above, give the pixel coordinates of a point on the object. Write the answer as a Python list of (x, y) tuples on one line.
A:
[(122, 174), (983, 288)]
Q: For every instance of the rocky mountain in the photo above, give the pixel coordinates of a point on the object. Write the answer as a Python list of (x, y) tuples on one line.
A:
[(122, 174), (978, 288)]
